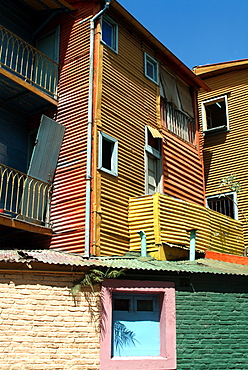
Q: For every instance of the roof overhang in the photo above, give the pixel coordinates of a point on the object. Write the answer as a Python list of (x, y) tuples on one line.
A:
[(215, 69)]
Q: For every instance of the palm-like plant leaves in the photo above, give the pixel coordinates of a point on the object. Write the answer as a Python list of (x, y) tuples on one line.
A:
[(123, 337), (95, 276)]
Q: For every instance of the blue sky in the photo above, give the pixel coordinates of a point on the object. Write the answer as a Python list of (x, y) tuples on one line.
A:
[(197, 31)]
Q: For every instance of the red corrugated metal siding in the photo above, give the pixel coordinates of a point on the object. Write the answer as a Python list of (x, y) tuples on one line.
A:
[(182, 170), (68, 201)]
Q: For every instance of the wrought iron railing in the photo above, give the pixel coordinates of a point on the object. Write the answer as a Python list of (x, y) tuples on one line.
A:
[(28, 63), (24, 197)]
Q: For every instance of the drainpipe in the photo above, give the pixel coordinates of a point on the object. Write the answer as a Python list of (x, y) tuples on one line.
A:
[(89, 134), (192, 244), (142, 235)]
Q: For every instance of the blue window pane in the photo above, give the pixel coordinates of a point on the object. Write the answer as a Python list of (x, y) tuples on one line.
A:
[(134, 328), (107, 33), (150, 70)]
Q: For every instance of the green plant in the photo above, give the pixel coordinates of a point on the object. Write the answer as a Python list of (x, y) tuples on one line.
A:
[(95, 276), (231, 183)]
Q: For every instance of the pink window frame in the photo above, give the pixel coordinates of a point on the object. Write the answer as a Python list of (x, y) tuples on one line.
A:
[(167, 358)]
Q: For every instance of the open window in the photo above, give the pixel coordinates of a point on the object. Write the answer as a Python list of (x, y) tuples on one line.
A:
[(224, 203), (153, 160), (108, 154), (138, 325), (215, 114), (110, 33), (151, 68)]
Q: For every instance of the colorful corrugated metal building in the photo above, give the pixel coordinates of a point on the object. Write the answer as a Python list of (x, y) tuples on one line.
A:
[(223, 117), (101, 120)]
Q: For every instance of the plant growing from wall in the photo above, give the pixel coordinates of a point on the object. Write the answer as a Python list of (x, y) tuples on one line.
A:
[(95, 276), (231, 183)]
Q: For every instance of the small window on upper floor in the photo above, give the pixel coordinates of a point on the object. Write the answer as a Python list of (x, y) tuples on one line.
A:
[(108, 154), (151, 68), (215, 114), (110, 33), (225, 203)]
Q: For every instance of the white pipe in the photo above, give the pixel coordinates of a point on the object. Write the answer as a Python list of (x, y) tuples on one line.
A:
[(192, 244), (143, 243), (89, 132)]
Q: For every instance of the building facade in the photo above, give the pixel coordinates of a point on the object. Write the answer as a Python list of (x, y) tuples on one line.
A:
[(44, 327), (223, 116), (108, 119)]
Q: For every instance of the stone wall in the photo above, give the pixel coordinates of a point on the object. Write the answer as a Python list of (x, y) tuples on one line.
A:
[(43, 328)]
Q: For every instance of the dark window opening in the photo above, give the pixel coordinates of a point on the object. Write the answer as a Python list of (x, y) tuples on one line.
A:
[(223, 204), (150, 70), (216, 114), (145, 305), (107, 33), (153, 142), (121, 304), (107, 152)]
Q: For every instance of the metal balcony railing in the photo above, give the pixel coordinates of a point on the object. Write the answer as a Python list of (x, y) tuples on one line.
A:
[(24, 197), (28, 63)]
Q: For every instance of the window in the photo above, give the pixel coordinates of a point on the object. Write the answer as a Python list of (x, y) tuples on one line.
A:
[(151, 68), (110, 33), (215, 114), (108, 154), (225, 204), (176, 104), (153, 161), (133, 312)]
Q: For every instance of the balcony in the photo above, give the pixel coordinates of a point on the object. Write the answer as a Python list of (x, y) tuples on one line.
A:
[(29, 78), (24, 201), (167, 221)]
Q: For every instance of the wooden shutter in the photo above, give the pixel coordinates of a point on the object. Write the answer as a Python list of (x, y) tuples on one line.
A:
[(46, 150)]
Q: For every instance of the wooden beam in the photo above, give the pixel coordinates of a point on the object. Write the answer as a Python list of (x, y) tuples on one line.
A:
[(24, 225), (28, 86)]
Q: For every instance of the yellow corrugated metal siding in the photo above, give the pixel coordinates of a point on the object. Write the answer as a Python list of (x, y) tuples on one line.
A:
[(175, 218), (226, 153), (128, 102)]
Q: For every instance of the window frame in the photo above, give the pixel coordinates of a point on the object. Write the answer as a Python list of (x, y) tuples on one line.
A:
[(154, 63), (234, 201), (157, 154), (205, 103), (167, 358), (114, 38), (114, 157)]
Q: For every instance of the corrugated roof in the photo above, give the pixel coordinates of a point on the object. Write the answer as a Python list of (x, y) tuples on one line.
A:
[(128, 262)]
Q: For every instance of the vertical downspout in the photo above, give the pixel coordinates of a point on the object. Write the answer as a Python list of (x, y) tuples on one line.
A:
[(142, 235), (89, 132), (192, 244)]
